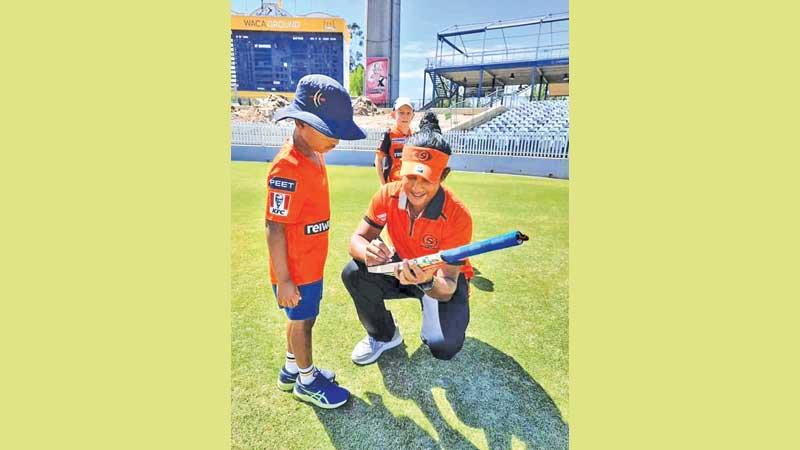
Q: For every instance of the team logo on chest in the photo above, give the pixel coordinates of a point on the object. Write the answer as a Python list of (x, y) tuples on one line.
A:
[(279, 204), (430, 241)]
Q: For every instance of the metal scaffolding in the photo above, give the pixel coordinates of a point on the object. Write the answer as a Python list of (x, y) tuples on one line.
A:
[(477, 61)]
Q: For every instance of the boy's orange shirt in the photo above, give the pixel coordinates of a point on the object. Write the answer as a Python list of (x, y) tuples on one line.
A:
[(392, 147), (298, 197)]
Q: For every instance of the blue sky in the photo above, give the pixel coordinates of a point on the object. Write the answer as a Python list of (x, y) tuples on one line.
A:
[(420, 20)]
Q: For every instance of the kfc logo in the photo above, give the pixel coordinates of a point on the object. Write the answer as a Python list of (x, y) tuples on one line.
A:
[(279, 204)]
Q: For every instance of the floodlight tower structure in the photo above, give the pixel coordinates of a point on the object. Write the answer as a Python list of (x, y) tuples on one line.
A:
[(271, 9), (383, 41)]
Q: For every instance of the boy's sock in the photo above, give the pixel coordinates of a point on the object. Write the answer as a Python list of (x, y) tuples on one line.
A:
[(291, 364), (307, 375)]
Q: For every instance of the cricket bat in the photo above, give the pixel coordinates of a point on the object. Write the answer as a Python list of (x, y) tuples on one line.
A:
[(510, 239)]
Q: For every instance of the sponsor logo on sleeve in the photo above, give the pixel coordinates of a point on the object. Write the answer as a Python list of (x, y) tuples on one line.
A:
[(317, 228), (279, 204), (282, 184), (382, 217)]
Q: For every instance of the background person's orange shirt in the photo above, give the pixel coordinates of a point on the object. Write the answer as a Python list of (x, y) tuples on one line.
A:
[(444, 224), (392, 147), (298, 197)]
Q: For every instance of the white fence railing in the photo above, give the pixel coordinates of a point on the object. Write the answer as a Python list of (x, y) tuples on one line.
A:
[(463, 142), (526, 145), (268, 135)]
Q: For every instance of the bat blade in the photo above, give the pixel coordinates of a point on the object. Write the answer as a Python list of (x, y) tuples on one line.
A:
[(424, 262), (384, 268)]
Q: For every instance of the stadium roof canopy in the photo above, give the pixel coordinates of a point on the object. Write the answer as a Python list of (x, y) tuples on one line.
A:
[(477, 59), (455, 30)]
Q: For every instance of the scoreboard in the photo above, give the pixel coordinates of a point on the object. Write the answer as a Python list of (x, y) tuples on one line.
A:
[(273, 61)]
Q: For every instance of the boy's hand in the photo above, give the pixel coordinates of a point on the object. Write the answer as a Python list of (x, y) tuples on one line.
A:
[(377, 253), (288, 294), (411, 273)]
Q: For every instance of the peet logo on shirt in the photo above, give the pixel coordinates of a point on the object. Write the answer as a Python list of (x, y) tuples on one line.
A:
[(317, 228), (283, 184)]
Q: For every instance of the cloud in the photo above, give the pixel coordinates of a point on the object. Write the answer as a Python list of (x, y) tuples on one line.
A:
[(413, 73), (417, 50)]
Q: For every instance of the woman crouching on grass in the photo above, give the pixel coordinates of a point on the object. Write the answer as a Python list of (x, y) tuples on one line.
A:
[(422, 217)]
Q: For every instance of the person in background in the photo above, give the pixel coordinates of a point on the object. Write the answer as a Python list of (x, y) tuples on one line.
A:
[(389, 154)]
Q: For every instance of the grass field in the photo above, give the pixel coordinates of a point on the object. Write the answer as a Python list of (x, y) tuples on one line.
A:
[(507, 388)]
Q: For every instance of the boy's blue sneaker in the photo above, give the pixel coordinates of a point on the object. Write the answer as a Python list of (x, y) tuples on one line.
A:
[(286, 379), (321, 392)]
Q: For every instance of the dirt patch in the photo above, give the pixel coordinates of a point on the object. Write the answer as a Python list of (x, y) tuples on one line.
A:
[(362, 106), (262, 109), (365, 114)]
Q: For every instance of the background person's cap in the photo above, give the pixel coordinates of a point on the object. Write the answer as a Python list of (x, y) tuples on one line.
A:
[(400, 101), (323, 103)]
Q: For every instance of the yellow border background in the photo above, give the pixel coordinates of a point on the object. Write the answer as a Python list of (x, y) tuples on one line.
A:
[(683, 245), (118, 251), (680, 226)]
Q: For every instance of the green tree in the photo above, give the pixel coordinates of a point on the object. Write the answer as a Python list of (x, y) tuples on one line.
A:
[(357, 81), (356, 45)]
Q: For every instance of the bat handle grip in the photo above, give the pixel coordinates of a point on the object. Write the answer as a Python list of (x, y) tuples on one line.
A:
[(502, 241)]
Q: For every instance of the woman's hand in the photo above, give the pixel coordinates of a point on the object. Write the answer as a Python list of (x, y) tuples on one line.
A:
[(377, 253), (411, 273)]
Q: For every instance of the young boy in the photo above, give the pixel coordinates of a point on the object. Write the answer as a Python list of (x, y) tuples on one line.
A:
[(389, 154), (297, 223)]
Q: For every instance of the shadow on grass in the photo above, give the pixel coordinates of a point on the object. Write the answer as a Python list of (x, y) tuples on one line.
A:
[(361, 424), (480, 282), (485, 388)]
